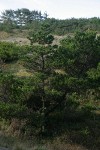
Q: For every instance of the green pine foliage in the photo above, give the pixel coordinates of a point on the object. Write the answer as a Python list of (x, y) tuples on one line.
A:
[(64, 80)]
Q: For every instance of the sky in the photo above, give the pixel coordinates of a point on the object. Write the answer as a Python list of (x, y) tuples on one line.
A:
[(59, 9)]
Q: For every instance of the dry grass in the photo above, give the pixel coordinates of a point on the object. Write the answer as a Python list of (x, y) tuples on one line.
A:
[(23, 73), (17, 69), (15, 144), (21, 37), (3, 35), (60, 71), (17, 40), (8, 140), (73, 139)]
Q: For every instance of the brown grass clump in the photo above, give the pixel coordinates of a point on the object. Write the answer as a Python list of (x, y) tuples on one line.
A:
[(3, 35)]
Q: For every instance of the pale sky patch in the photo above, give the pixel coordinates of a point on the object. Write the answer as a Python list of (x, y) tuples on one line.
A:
[(60, 9)]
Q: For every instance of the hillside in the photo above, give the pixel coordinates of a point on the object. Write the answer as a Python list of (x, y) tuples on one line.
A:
[(50, 84)]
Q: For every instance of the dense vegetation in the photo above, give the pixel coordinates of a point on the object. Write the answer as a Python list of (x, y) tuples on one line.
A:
[(26, 19), (62, 90)]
